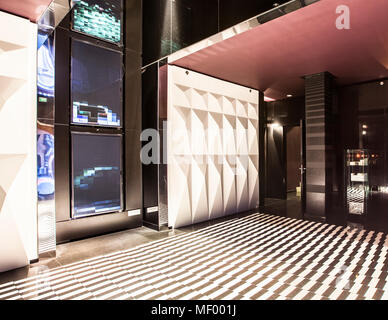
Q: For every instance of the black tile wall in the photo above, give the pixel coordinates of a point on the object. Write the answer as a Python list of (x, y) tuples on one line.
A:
[(319, 184)]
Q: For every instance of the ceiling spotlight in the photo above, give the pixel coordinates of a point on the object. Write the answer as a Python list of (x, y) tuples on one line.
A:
[(381, 83), (364, 133), (364, 126), (289, 95)]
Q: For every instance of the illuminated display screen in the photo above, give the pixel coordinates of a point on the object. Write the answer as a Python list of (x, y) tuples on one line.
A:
[(45, 79), (99, 18), (96, 85), (45, 153), (96, 174)]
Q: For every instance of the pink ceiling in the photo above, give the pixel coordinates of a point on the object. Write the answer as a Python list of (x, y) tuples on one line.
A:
[(274, 57), (30, 9)]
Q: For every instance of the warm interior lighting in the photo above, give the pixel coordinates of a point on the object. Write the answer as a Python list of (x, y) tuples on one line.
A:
[(268, 99), (274, 125)]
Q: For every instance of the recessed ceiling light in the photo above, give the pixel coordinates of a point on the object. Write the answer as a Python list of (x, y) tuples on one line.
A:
[(289, 95)]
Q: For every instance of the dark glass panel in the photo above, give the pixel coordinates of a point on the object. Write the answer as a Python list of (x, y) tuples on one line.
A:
[(233, 12), (192, 21), (97, 174), (96, 85), (156, 30), (99, 18)]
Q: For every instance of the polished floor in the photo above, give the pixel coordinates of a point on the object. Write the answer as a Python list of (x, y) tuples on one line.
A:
[(290, 207), (258, 256)]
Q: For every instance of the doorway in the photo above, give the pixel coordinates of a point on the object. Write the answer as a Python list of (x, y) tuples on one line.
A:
[(285, 163)]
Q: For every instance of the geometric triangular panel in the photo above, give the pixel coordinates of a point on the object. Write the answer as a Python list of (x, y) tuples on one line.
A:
[(12, 252), (198, 132), (2, 197), (200, 210), (215, 196), (253, 141), (8, 87), (242, 183), (180, 196), (214, 102), (242, 136), (241, 108), (229, 183), (228, 106), (214, 133), (253, 181), (198, 99), (9, 167), (229, 137)]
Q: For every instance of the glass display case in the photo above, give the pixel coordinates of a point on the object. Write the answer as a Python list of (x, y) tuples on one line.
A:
[(357, 181)]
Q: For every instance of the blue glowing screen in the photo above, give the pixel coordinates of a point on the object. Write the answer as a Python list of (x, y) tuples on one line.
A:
[(45, 152), (46, 70)]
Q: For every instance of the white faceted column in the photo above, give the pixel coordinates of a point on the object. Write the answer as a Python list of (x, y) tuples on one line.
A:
[(18, 169)]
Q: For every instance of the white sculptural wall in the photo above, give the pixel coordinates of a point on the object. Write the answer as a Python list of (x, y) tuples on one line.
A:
[(212, 144), (18, 195)]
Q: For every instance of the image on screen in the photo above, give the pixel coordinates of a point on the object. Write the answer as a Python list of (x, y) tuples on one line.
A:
[(96, 85), (96, 174), (45, 161), (99, 18), (45, 78)]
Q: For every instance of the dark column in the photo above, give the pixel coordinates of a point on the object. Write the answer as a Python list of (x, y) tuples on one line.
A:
[(133, 104), (262, 147), (319, 149)]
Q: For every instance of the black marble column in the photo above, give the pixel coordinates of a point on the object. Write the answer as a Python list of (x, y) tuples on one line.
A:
[(319, 145)]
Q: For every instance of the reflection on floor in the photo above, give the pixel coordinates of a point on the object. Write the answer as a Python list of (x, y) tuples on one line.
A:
[(258, 256), (291, 208), (89, 248)]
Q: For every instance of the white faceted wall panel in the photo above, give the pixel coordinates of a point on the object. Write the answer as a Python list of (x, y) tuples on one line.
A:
[(212, 148), (214, 187), (18, 194), (179, 197)]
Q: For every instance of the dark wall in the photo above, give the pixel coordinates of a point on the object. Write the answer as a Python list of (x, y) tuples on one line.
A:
[(294, 161), (285, 114), (150, 120), (233, 12), (170, 25), (68, 229), (276, 163), (363, 118)]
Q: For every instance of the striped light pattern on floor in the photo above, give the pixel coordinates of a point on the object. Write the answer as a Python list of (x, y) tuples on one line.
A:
[(255, 257)]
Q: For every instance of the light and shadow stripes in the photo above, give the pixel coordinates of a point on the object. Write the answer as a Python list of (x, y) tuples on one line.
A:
[(255, 257)]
